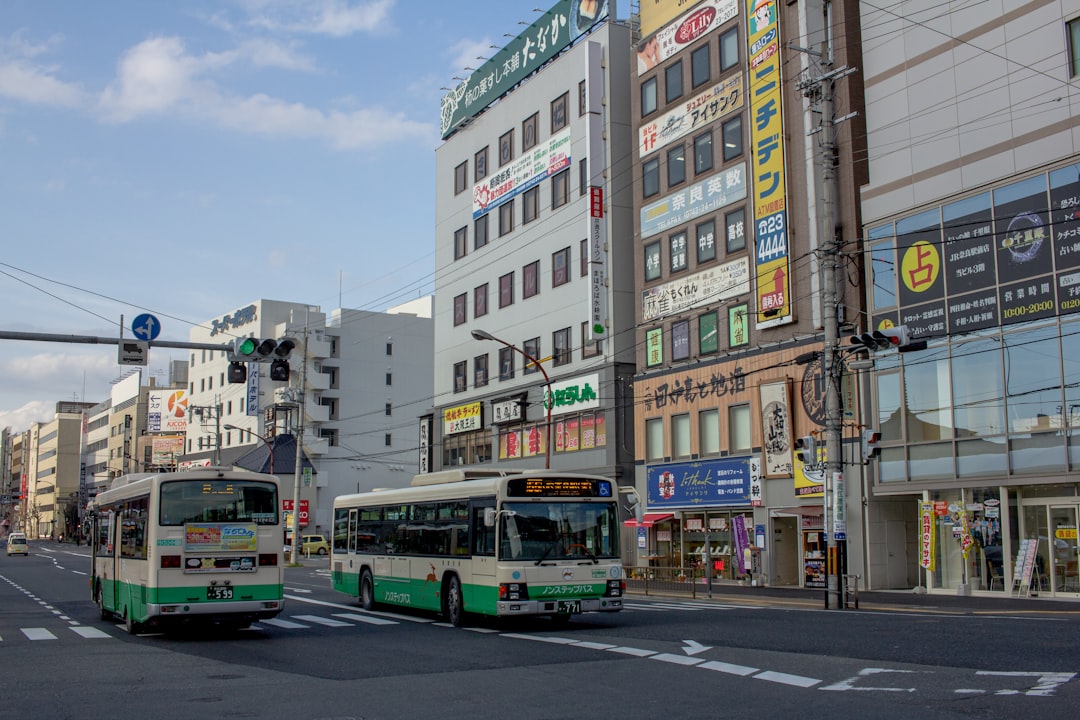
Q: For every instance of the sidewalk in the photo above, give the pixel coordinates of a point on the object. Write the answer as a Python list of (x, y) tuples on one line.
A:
[(896, 600)]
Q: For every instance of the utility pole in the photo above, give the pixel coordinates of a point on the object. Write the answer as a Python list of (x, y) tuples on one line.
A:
[(297, 465)]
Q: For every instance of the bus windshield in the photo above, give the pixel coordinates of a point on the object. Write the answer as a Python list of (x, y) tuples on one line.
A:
[(218, 501), (543, 531)]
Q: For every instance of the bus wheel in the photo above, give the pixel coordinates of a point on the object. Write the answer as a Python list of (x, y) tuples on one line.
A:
[(367, 591), (455, 607), (102, 612), (130, 625)]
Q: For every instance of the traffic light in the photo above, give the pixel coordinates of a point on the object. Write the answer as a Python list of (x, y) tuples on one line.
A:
[(897, 337), (806, 450), (246, 350), (870, 447)]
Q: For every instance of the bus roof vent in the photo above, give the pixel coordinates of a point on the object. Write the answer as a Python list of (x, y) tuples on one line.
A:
[(456, 475)]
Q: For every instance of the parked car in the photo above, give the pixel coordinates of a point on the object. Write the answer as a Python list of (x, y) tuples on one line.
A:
[(17, 544), (311, 545)]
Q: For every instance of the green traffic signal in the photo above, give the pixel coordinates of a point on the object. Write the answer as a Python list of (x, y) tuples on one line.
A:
[(245, 347)]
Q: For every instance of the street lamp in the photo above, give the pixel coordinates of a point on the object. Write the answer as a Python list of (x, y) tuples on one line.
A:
[(548, 399), (269, 445)]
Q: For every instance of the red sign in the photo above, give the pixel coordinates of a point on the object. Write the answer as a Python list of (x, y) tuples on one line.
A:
[(596, 202), (287, 506)]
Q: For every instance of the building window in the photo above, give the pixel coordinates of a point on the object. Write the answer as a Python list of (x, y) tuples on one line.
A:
[(460, 373), (560, 189), (461, 178), (532, 348), (648, 96), (560, 267), (739, 429), (461, 238), (582, 105), (729, 49), (389, 379), (506, 290), (389, 409), (528, 132), (480, 164), (654, 439), (506, 218), (558, 112), (460, 309), (650, 177), (735, 222), (680, 340), (706, 241), (673, 81), (733, 138), (589, 349), (506, 364), (480, 370), (480, 232), (680, 436), (584, 252), (699, 66), (703, 153), (389, 348), (561, 341), (530, 279), (707, 333), (709, 432), (506, 148), (530, 205), (388, 440), (583, 176), (678, 251), (652, 261), (480, 298), (1072, 29), (676, 165)]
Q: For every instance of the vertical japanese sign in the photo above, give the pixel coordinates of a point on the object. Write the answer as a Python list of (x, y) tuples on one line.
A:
[(251, 408), (595, 164), (773, 265), (776, 428), (926, 535)]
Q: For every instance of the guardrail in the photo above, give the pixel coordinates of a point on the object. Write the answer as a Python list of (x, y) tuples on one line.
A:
[(688, 581)]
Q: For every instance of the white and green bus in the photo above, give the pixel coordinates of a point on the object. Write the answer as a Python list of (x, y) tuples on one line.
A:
[(491, 543), (199, 545)]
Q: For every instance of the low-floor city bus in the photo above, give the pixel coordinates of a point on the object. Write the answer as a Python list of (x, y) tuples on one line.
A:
[(199, 545), (529, 543)]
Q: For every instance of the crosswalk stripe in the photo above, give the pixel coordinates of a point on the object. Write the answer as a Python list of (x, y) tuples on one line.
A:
[(369, 619), (90, 632), (287, 624), (38, 634), (328, 622)]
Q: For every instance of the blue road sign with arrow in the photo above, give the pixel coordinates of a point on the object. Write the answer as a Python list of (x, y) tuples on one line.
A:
[(146, 327)]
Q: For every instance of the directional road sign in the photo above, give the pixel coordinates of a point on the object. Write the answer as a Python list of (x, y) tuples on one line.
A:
[(146, 327), (133, 352)]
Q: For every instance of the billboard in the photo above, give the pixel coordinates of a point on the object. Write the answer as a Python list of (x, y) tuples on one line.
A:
[(689, 28), (655, 13), (556, 30), (166, 411), (534, 166)]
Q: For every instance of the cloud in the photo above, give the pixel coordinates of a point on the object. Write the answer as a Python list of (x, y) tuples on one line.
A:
[(159, 76), (336, 18), (24, 79), (61, 374), (467, 53), (22, 418), (267, 53)]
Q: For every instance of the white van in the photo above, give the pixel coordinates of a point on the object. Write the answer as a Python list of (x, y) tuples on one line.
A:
[(17, 545)]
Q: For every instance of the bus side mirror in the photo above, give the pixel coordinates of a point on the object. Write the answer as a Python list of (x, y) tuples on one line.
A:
[(489, 517)]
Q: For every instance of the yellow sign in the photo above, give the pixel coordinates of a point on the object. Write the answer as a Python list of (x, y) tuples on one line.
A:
[(920, 266), (462, 418), (656, 13)]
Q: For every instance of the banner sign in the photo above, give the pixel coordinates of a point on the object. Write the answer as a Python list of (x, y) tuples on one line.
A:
[(712, 193), (705, 483), (220, 537), (711, 286), (926, 535), (721, 99), (462, 418), (166, 411), (687, 30), (522, 174), (556, 30)]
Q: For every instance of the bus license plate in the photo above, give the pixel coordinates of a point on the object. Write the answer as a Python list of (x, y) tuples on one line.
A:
[(215, 592), (569, 607)]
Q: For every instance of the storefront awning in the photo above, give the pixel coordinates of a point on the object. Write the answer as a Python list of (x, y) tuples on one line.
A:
[(648, 520)]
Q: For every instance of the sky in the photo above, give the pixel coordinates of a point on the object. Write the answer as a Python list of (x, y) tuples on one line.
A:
[(188, 158)]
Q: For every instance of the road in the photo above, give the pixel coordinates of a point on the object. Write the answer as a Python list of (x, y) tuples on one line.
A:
[(324, 657)]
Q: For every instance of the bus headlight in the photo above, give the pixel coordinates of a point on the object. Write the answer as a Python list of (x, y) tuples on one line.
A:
[(513, 591)]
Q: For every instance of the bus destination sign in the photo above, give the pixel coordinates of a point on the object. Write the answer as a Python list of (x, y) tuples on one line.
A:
[(557, 487)]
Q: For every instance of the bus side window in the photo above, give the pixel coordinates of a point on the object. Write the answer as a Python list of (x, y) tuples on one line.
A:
[(483, 542)]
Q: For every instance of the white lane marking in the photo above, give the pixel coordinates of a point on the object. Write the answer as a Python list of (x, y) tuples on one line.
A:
[(594, 645), (1048, 681), (353, 608), (37, 634), (366, 619), (541, 638), (328, 622), (676, 659), (730, 668), (288, 625), (297, 590), (636, 652), (693, 647), (849, 683), (91, 633), (482, 630), (784, 678)]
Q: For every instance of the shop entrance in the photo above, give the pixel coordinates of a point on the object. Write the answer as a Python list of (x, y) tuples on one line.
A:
[(1057, 556)]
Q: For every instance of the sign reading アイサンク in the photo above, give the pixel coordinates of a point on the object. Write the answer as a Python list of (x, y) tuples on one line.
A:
[(773, 261)]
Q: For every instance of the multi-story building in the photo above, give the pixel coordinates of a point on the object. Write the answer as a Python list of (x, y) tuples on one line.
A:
[(533, 254), (732, 168), (970, 213), (361, 378), (54, 477)]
